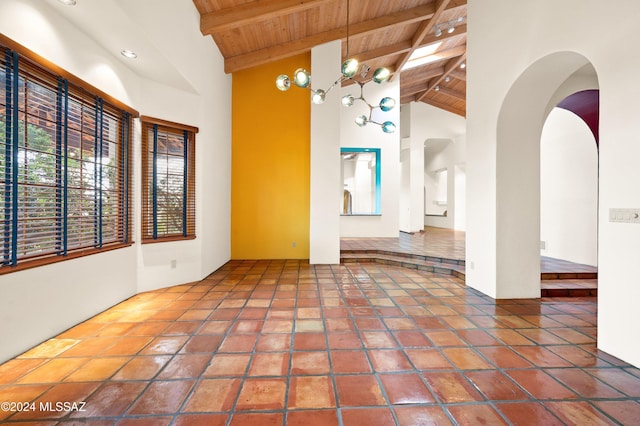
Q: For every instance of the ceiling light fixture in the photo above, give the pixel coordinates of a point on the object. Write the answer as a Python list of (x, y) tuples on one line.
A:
[(463, 65), (68, 2), (450, 25), (350, 67), (128, 54), (386, 104)]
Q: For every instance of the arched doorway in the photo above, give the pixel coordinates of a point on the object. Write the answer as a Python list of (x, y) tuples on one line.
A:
[(569, 194), (520, 122)]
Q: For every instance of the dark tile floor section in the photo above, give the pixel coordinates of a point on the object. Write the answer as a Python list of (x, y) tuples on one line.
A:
[(283, 342)]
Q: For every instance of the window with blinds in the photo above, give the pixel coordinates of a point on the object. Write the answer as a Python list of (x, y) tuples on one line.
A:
[(64, 165), (168, 181)]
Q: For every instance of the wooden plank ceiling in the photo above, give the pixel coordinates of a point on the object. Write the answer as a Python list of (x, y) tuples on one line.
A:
[(381, 33)]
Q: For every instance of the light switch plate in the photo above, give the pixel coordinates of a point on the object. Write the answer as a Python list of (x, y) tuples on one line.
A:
[(624, 215)]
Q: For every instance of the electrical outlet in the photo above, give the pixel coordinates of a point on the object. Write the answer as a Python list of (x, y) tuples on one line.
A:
[(174, 263), (293, 244)]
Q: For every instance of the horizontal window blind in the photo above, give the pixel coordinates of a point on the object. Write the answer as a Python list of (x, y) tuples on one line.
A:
[(168, 171), (64, 166)]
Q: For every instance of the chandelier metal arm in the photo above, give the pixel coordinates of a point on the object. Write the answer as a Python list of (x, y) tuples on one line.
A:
[(302, 79)]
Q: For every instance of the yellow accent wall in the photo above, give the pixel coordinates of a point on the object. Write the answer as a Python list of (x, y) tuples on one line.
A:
[(270, 164)]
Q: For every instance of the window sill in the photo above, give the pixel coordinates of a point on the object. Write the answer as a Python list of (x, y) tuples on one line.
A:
[(167, 239), (53, 258)]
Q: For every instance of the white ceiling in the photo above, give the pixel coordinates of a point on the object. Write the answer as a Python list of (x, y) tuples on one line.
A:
[(116, 25)]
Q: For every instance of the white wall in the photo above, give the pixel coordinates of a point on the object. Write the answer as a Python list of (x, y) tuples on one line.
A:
[(429, 122), (568, 189), (436, 187), (443, 136), (411, 184), (325, 192), (445, 154), (201, 65), (387, 223), (38, 303), (508, 92), (460, 197), (406, 186)]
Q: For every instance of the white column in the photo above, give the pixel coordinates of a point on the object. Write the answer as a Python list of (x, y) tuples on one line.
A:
[(412, 185), (416, 174), (324, 224)]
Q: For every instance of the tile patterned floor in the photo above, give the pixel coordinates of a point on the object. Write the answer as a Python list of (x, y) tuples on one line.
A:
[(559, 278), (436, 242), (286, 343), (448, 244)]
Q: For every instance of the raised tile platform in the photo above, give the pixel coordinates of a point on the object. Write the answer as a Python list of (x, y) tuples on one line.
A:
[(442, 251)]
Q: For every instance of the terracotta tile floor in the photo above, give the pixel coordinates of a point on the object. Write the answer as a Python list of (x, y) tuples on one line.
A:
[(436, 242), (557, 275), (282, 342), (448, 244)]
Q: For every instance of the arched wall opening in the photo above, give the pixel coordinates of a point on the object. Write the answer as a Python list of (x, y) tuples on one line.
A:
[(520, 122), (568, 190)]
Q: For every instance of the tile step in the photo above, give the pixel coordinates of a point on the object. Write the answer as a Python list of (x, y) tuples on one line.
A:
[(457, 268)]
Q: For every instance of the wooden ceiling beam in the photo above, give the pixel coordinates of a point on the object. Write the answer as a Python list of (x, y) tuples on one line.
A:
[(448, 92), (250, 13), (407, 99), (458, 75), (444, 106), (417, 84), (451, 65), (411, 91), (425, 75), (423, 30), (404, 46), (383, 52), (361, 29)]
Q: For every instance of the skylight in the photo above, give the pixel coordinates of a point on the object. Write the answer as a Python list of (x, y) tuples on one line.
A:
[(422, 55)]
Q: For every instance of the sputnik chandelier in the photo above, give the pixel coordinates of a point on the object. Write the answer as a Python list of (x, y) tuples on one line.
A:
[(302, 79)]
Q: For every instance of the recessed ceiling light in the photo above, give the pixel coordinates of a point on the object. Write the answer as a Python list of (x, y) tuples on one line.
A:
[(68, 2), (129, 54), (463, 65)]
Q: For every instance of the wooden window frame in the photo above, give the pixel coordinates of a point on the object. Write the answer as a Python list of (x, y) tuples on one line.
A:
[(43, 75), (150, 228)]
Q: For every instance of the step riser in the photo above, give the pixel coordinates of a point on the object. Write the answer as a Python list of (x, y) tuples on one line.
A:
[(403, 260)]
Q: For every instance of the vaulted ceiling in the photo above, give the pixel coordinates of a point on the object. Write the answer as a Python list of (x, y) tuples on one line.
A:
[(377, 33)]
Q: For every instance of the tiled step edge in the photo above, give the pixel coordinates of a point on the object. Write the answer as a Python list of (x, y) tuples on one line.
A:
[(456, 268), (569, 276), (568, 292), (398, 254), (410, 259), (434, 265)]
